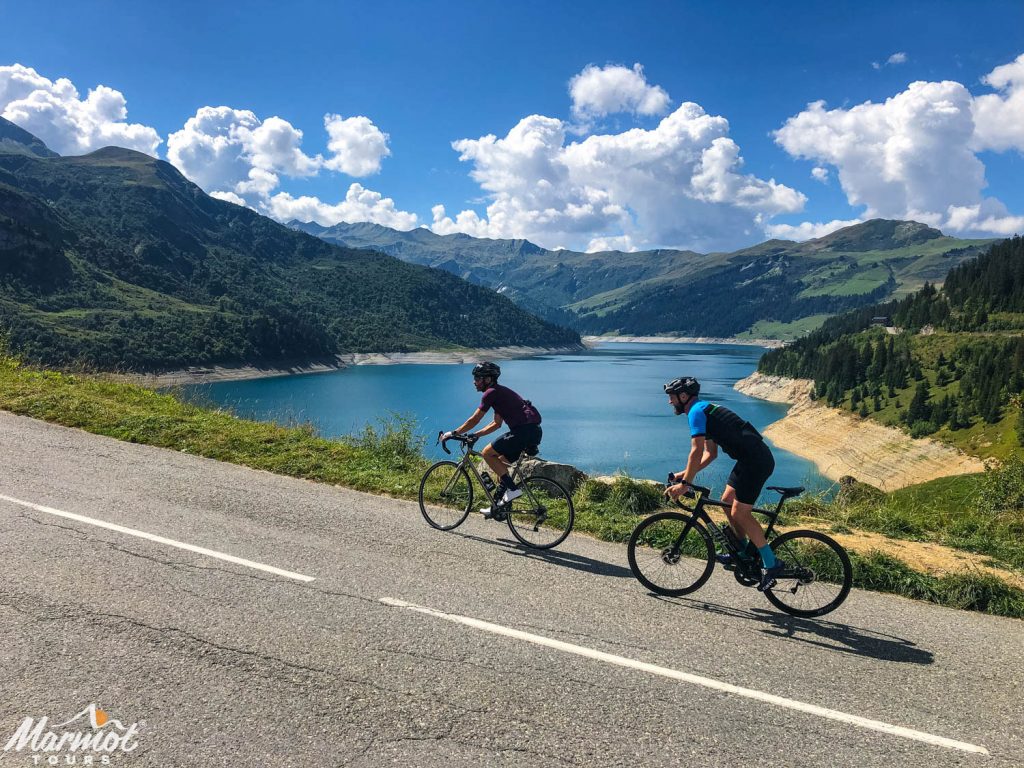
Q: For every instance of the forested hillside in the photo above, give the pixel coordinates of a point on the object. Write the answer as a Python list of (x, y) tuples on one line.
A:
[(114, 259), (776, 289), (954, 368)]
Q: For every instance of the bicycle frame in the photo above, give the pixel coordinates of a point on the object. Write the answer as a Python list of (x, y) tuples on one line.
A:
[(716, 531), (468, 454)]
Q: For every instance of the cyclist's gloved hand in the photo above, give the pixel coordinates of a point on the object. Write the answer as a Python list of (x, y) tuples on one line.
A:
[(448, 435), (671, 479)]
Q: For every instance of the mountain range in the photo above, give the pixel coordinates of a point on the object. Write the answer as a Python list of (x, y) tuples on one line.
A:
[(116, 260), (778, 288)]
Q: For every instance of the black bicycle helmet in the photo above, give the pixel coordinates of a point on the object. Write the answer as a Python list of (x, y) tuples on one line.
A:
[(486, 369), (686, 384)]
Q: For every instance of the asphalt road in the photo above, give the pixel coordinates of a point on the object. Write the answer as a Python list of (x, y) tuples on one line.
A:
[(222, 663)]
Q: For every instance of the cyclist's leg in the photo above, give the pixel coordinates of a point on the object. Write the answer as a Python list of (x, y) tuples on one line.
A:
[(741, 518), (498, 463), (729, 496), (745, 483)]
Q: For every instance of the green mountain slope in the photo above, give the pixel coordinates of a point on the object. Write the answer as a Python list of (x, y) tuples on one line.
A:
[(776, 287), (955, 369), (115, 259)]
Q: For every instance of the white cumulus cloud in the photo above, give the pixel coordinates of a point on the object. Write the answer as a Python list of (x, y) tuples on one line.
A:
[(819, 174), (679, 184), (913, 156), (357, 145), (231, 150), (236, 156), (897, 58), (807, 230), (70, 125), (360, 204), (999, 117), (598, 91)]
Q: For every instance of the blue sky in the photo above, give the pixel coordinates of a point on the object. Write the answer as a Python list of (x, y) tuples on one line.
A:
[(629, 167)]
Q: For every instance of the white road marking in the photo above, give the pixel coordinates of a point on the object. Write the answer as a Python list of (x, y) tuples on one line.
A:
[(159, 539), (622, 661)]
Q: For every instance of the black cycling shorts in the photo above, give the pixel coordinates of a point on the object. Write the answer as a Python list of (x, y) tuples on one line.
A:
[(752, 471), (514, 442)]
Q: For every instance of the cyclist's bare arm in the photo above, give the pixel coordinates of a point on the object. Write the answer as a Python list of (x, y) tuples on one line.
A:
[(471, 422), (702, 453), (709, 455), (494, 425)]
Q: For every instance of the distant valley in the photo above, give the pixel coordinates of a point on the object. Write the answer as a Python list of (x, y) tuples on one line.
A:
[(778, 289)]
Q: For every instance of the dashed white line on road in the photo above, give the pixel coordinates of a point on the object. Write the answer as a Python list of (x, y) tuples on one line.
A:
[(159, 539), (622, 661)]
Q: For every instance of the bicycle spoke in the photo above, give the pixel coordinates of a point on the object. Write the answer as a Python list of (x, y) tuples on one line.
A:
[(666, 562), (446, 495), (818, 574), (543, 516)]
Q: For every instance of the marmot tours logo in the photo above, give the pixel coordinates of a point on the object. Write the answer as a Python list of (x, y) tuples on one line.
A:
[(88, 738)]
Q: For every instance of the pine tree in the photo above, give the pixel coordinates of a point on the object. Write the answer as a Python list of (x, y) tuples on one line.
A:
[(919, 409), (863, 409)]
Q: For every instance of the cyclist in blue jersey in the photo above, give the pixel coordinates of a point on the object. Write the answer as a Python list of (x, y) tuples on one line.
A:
[(712, 427)]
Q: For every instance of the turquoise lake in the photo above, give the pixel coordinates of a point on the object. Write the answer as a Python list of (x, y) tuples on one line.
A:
[(604, 410)]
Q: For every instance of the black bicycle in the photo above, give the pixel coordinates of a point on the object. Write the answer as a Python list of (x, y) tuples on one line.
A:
[(673, 553), (541, 518)]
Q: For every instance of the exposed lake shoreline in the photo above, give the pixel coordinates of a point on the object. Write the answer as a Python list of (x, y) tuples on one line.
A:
[(841, 443), (767, 343), (208, 374)]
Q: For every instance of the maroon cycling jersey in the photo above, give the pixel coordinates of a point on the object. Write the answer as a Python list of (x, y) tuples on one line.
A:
[(514, 411)]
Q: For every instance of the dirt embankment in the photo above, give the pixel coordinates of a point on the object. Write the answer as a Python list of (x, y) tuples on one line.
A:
[(841, 443), (205, 375)]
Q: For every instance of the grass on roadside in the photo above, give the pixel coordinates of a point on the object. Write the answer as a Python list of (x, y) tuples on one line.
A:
[(983, 513)]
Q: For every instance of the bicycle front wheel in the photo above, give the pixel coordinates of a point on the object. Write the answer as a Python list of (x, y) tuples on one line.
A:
[(543, 516), (817, 577), (667, 562), (446, 495)]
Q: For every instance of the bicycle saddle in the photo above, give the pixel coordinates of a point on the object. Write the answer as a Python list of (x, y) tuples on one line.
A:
[(787, 492)]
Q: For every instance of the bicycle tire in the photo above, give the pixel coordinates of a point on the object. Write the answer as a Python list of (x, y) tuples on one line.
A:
[(652, 542), (549, 523), (446, 514), (823, 561)]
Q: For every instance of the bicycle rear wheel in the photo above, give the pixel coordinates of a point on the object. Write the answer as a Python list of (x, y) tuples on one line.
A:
[(446, 495), (543, 516), (817, 577), (664, 561)]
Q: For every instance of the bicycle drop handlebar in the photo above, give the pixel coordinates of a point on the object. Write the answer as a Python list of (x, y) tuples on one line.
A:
[(469, 440), (672, 480)]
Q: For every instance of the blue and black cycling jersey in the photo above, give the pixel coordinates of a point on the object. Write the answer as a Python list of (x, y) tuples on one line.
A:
[(715, 422)]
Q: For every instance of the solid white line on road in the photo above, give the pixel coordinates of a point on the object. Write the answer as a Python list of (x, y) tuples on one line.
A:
[(622, 661), (159, 539)]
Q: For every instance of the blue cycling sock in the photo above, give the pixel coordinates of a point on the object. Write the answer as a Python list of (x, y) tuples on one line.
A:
[(767, 556)]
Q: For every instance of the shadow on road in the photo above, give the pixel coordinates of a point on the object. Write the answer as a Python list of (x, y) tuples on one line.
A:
[(823, 634), (556, 557)]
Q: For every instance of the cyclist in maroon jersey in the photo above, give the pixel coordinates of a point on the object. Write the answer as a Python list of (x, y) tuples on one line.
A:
[(521, 417)]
